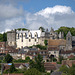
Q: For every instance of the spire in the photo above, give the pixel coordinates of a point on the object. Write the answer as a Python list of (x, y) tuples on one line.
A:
[(52, 30), (69, 34)]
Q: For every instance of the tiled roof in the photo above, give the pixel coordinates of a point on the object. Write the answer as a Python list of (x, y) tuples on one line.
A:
[(68, 52), (49, 66), (56, 42), (53, 48), (68, 62)]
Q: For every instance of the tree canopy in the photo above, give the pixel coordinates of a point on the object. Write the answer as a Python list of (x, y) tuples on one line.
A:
[(38, 63), (8, 58), (32, 71), (65, 30)]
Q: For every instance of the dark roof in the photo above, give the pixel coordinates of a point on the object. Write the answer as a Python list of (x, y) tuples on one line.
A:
[(56, 73), (68, 52), (22, 51), (51, 48)]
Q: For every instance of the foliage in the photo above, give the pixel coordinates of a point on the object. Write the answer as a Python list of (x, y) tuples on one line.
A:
[(54, 59), (72, 58), (45, 42), (68, 71), (32, 71), (41, 47), (64, 69), (42, 28), (3, 37), (27, 59), (60, 59), (12, 68), (65, 30), (8, 58), (19, 61), (0, 66), (24, 29), (38, 63)]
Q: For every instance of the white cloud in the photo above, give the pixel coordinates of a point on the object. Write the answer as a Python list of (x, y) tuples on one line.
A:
[(54, 10), (57, 16), (52, 16), (9, 11)]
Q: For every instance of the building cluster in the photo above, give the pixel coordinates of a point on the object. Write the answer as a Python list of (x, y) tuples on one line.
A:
[(19, 42)]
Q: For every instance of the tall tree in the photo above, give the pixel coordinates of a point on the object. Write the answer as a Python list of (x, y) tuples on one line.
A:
[(12, 68), (8, 58), (38, 63), (4, 36)]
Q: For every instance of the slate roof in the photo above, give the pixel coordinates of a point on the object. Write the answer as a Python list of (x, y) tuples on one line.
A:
[(56, 73)]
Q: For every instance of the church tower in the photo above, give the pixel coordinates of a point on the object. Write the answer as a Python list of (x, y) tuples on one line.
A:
[(68, 41), (52, 33)]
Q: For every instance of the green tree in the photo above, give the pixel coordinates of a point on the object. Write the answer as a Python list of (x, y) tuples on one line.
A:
[(4, 36), (27, 59), (0, 66), (45, 42), (72, 70), (8, 58), (12, 68), (60, 59), (42, 28), (64, 69), (32, 71), (38, 63)]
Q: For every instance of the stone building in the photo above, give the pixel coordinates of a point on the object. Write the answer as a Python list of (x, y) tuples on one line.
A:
[(31, 37)]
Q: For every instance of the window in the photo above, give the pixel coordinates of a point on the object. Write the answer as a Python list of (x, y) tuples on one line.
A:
[(35, 35), (29, 40), (35, 40), (22, 35), (54, 52), (29, 35), (22, 40), (68, 38), (18, 36)]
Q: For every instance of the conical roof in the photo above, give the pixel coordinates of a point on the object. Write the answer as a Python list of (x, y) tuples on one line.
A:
[(69, 34)]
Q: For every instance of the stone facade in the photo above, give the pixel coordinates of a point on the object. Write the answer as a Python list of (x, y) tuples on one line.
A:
[(31, 37)]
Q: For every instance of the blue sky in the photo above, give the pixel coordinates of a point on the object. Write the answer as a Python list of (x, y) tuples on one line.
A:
[(36, 5), (32, 14)]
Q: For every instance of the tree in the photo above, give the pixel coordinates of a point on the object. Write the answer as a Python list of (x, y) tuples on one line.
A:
[(45, 42), (71, 70), (38, 63), (60, 59), (32, 71), (8, 58), (27, 59), (42, 28), (12, 68), (4, 36), (64, 69)]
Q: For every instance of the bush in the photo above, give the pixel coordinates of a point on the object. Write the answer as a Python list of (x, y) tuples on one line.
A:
[(32, 71)]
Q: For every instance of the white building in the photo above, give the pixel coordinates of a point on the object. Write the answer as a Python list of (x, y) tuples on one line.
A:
[(27, 38)]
